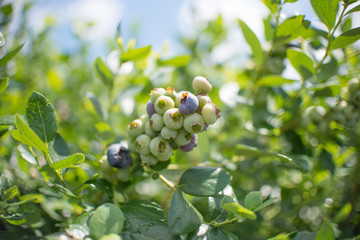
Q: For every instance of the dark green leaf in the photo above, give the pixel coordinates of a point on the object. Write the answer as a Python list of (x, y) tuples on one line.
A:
[(355, 9), (3, 84), (220, 234), (136, 54), (301, 62), (183, 217), (346, 38), (7, 120), (97, 105), (239, 210), (325, 12), (103, 73), (178, 61), (41, 117), (69, 161), (102, 184), (216, 211), (255, 152), (10, 55), (265, 204), (253, 200), (58, 148), (305, 236), (66, 191), (253, 42), (204, 181), (326, 232), (105, 220), (274, 81), (326, 161)]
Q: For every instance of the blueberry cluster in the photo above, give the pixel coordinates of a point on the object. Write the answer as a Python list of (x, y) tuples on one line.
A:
[(172, 122)]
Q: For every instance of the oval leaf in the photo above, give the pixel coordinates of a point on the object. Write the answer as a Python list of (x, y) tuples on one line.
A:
[(346, 38), (3, 84), (253, 42), (41, 116), (253, 200), (183, 216), (136, 54), (239, 210), (103, 73), (10, 55), (106, 219), (325, 12), (274, 81), (178, 61), (255, 152), (290, 25), (69, 161), (301, 62), (204, 181)]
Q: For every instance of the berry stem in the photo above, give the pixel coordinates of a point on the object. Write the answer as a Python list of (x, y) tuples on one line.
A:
[(167, 182)]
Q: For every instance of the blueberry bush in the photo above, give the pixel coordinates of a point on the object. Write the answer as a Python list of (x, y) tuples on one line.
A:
[(145, 145)]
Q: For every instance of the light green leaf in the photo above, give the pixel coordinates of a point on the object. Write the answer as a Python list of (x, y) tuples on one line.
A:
[(69, 161), (10, 193), (253, 200), (272, 5), (255, 152), (204, 181), (265, 204), (346, 39), (301, 62), (290, 1), (10, 55), (343, 213), (136, 54), (97, 105), (183, 216), (274, 81), (253, 42), (355, 9), (239, 210), (325, 12), (103, 73), (7, 120), (3, 84), (178, 61), (326, 232), (41, 117), (27, 136), (287, 27), (106, 219)]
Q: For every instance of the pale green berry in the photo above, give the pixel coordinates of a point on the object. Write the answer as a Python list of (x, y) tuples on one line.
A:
[(170, 92), (163, 103), (156, 122), (201, 85), (210, 113), (135, 128), (173, 119), (168, 134), (194, 123), (203, 99), (156, 93), (149, 130), (161, 149), (183, 137), (353, 85), (142, 144), (148, 159)]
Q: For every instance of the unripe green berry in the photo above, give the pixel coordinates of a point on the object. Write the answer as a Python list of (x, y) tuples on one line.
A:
[(353, 85), (161, 149), (156, 122), (135, 128), (173, 119), (210, 113), (149, 130), (142, 144), (168, 134), (194, 123), (203, 99), (148, 159), (163, 103), (201, 85), (170, 92), (156, 93), (183, 137)]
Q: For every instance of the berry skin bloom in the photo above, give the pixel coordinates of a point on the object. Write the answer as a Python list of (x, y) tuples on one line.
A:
[(194, 123), (168, 134), (190, 146), (161, 149), (148, 159), (183, 137), (142, 144), (210, 113), (203, 99), (189, 103), (118, 156), (150, 109), (201, 85), (135, 128), (162, 104), (156, 93), (173, 119), (156, 122), (149, 130)]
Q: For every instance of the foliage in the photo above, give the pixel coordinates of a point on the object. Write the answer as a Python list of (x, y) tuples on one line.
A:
[(282, 162)]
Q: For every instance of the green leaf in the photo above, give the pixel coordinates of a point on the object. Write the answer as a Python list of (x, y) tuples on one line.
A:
[(287, 27), (219, 234), (290, 1), (253, 200), (97, 105), (10, 55), (58, 148), (272, 5), (105, 220), (7, 120), (265, 204), (239, 210), (59, 188), (326, 232), (253, 42), (325, 12), (216, 211), (355, 9), (27, 136), (268, 28), (274, 81), (10, 193), (343, 213), (69, 161), (346, 39), (178, 61), (204, 181), (103, 73), (305, 236), (301, 62), (41, 117), (183, 216), (255, 152), (3, 84), (136, 54), (26, 154)]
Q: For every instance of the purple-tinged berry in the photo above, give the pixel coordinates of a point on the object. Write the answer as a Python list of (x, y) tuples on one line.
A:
[(156, 93), (118, 156), (168, 134), (203, 99), (210, 113), (148, 159), (149, 130), (183, 137), (194, 123), (188, 103), (142, 144), (135, 128), (156, 122), (173, 119), (190, 146), (150, 109), (201, 85), (161, 149), (163, 103)]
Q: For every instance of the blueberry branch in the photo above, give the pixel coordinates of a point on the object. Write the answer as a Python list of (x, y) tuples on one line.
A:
[(167, 182)]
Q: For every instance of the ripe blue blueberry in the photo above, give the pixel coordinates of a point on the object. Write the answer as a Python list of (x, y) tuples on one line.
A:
[(194, 123), (163, 103), (118, 156), (189, 103), (156, 93), (190, 146), (201, 85), (173, 119), (150, 109)]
